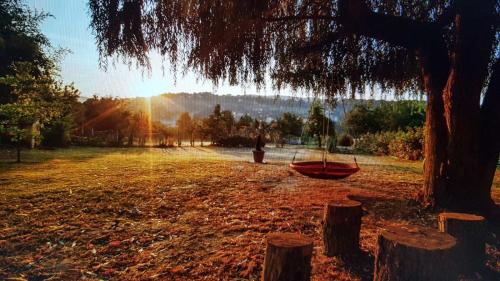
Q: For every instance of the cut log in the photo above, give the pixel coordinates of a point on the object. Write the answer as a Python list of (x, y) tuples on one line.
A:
[(288, 257), (470, 232), (341, 226), (414, 253)]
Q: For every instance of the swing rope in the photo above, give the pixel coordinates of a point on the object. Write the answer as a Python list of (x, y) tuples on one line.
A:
[(345, 114), (327, 136)]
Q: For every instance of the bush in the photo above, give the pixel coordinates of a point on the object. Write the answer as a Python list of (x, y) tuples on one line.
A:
[(402, 144), (408, 145), (236, 141), (97, 141), (56, 134), (377, 143), (345, 140)]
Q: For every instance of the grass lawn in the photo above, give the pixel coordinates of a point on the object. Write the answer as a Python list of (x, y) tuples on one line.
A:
[(187, 213)]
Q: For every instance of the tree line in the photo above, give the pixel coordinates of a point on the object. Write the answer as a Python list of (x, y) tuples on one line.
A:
[(107, 121)]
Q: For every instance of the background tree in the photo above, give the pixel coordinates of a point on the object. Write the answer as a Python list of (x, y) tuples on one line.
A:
[(445, 49), (244, 125), (362, 119), (290, 125), (136, 124), (318, 125), (16, 122), (204, 130), (185, 128), (36, 100), (56, 131), (30, 92), (215, 125), (110, 116), (228, 122), (200, 131), (276, 133), (400, 115), (21, 41), (387, 116)]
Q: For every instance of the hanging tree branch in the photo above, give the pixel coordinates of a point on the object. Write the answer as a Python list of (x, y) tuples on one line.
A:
[(356, 17)]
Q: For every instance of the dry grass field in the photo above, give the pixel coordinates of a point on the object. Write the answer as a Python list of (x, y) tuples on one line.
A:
[(188, 213)]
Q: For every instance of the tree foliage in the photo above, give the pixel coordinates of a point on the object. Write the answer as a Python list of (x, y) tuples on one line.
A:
[(387, 116), (185, 127), (21, 41), (302, 43), (30, 92), (290, 125), (318, 124)]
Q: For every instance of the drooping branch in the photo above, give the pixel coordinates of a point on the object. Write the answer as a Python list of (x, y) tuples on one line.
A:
[(356, 17), (320, 45)]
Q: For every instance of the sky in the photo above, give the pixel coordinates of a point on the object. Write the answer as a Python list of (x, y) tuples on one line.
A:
[(69, 28)]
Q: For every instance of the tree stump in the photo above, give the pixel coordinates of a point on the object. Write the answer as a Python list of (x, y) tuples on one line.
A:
[(341, 226), (288, 257), (413, 253), (470, 232)]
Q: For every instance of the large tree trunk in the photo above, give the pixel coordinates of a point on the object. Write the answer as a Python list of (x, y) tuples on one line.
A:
[(434, 68), (461, 175)]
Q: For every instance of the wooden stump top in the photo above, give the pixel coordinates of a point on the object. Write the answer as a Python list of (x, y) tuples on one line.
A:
[(343, 203), (461, 216), (419, 237), (288, 240)]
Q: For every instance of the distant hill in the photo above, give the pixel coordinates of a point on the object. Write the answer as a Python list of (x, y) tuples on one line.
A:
[(166, 108)]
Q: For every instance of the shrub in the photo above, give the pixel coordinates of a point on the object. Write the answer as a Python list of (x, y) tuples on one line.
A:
[(377, 143), (408, 145), (236, 141), (97, 141), (345, 140), (402, 144), (56, 134)]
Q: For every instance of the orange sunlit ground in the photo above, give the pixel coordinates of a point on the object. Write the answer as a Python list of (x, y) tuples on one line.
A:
[(186, 213)]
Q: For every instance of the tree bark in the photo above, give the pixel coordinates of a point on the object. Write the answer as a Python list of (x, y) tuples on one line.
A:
[(341, 227), (434, 65), (470, 55), (288, 257), (470, 232), (413, 253)]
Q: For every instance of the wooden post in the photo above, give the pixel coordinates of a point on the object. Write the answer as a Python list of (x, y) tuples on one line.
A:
[(470, 232), (341, 226), (414, 253), (288, 257)]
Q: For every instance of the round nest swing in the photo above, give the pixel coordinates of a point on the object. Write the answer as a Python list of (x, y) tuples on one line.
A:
[(325, 170)]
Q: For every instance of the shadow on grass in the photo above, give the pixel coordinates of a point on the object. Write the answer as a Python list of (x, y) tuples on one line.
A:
[(360, 265), (409, 211), (31, 157), (396, 209)]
